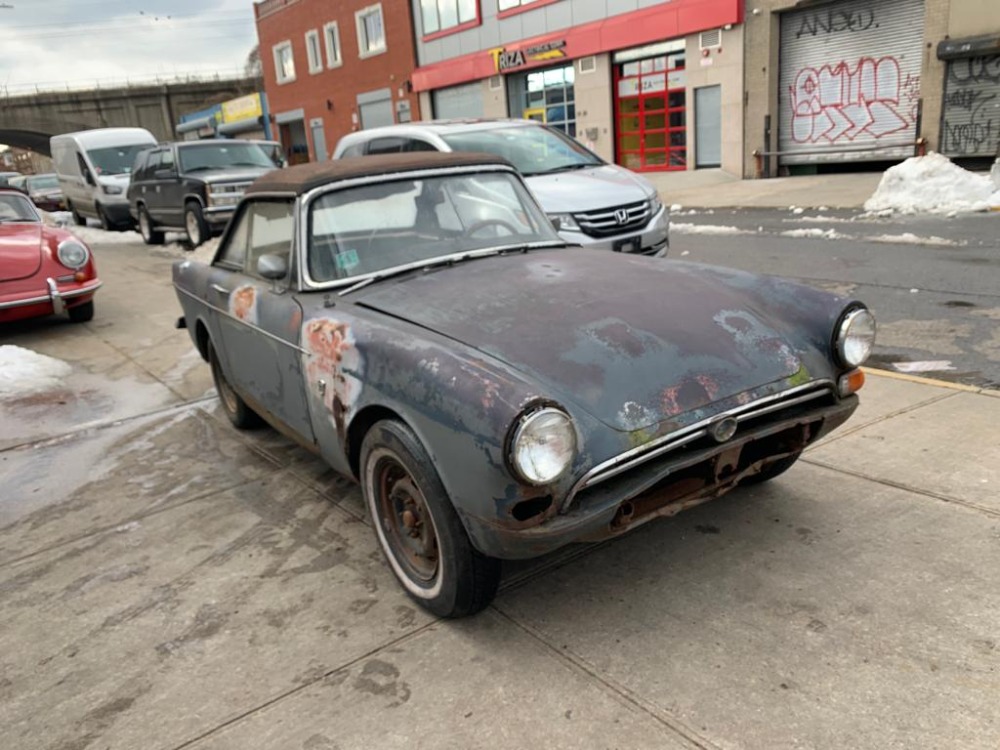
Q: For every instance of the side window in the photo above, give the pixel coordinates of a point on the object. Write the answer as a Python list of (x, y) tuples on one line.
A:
[(167, 160), (235, 251), (386, 146), (358, 149), (84, 169), (271, 227), (152, 164), (415, 144)]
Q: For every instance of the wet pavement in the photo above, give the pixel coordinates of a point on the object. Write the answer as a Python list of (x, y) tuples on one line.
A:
[(169, 582)]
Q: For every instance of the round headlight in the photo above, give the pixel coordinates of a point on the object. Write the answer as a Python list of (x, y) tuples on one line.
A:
[(856, 337), (73, 254), (543, 446)]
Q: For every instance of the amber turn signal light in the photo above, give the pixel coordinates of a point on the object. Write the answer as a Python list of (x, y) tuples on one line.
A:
[(79, 276), (851, 382)]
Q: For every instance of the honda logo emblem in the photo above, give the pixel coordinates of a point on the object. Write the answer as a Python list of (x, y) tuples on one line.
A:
[(621, 215)]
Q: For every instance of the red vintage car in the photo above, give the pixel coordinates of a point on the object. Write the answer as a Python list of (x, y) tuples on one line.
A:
[(43, 270)]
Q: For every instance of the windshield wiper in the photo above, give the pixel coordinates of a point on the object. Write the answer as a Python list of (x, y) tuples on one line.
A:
[(562, 168), (448, 260)]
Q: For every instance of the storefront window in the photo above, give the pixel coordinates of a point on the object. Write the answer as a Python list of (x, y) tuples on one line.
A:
[(545, 96), (650, 110)]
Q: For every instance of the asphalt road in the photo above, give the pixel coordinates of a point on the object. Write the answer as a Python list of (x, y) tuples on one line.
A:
[(933, 282)]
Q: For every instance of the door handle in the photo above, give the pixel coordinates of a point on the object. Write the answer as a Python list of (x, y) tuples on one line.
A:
[(221, 289)]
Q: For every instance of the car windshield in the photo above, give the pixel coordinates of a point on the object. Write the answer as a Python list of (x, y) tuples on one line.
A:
[(533, 150), (16, 208), (115, 159), (208, 156), (375, 227), (42, 182)]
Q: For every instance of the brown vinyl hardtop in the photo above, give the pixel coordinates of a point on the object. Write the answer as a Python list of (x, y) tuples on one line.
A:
[(305, 177)]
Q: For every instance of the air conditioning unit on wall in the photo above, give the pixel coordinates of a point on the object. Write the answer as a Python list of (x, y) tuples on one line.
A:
[(710, 39)]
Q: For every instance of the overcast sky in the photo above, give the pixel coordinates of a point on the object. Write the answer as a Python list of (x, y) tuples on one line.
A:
[(50, 43)]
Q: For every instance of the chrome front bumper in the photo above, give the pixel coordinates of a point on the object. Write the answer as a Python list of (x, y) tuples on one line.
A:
[(54, 296)]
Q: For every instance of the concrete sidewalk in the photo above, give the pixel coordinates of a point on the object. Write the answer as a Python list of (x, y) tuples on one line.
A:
[(713, 188), (169, 582)]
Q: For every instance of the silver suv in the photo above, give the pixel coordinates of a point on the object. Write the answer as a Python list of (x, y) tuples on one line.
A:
[(591, 202)]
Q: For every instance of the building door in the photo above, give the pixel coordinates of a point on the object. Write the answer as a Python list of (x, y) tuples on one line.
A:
[(849, 81), (293, 139), (544, 96), (970, 122), (375, 108), (458, 101), (651, 113), (708, 126), (319, 138)]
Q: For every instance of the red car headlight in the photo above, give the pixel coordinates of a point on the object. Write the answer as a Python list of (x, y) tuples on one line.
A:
[(73, 254)]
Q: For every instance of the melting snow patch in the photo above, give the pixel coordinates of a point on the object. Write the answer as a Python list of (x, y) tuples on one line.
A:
[(932, 184), (675, 207), (682, 228), (937, 365), (814, 233), (23, 371), (101, 237), (908, 238)]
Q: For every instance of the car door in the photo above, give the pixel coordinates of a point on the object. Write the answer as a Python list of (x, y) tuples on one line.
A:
[(260, 320), (171, 190), (146, 184)]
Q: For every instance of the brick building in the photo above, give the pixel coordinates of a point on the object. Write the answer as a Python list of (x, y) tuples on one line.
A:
[(333, 67)]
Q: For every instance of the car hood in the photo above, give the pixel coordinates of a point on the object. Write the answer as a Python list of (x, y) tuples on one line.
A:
[(232, 175), (632, 341), (20, 250), (589, 189)]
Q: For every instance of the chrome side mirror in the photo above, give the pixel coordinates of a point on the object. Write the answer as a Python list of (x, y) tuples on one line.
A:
[(273, 267)]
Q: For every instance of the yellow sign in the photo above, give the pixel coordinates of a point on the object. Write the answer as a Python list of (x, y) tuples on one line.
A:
[(504, 59), (245, 108)]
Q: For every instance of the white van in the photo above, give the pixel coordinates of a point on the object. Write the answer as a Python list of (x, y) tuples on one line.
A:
[(94, 167)]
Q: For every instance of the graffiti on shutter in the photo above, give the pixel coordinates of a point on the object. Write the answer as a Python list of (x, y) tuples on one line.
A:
[(971, 123)]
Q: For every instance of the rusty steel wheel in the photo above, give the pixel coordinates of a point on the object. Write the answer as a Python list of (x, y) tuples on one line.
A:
[(417, 528), (407, 522)]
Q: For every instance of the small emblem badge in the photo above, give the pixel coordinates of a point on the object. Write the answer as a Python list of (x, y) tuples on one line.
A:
[(621, 215)]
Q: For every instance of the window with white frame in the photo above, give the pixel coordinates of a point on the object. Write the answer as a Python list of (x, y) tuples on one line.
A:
[(313, 52), (284, 62), (331, 33), (509, 4), (441, 15), (371, 30)]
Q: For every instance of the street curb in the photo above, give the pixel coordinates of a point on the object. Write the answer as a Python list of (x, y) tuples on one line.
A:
[(930, 381)]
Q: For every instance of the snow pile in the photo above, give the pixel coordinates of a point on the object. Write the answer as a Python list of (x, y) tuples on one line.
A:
[(908, 238), (932, 184), (814, 233), (23, 371), (682, 228), (101, 237)]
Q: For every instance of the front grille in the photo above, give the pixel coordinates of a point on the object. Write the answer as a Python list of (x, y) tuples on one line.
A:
[(608, 222), (230, 187), (638, 464)]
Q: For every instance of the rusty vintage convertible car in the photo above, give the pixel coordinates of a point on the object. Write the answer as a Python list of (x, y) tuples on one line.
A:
[(416, 321)]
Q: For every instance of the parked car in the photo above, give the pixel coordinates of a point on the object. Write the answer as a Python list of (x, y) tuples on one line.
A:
[(5, 177), (44, 191), (416, 321), (594, 203), (94, 168), (43, 270), (192, 186)]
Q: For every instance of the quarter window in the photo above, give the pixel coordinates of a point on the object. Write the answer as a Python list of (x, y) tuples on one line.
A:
[(331, 33), (312, 51), (371, 31), (270, 231), (441, 15), (284, 62), (235, 251)]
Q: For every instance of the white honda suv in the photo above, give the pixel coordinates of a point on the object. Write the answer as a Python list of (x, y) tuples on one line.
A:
[(592, 203)]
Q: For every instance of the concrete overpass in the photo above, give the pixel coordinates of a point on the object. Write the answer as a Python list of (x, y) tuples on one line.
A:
[(28, 121)]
